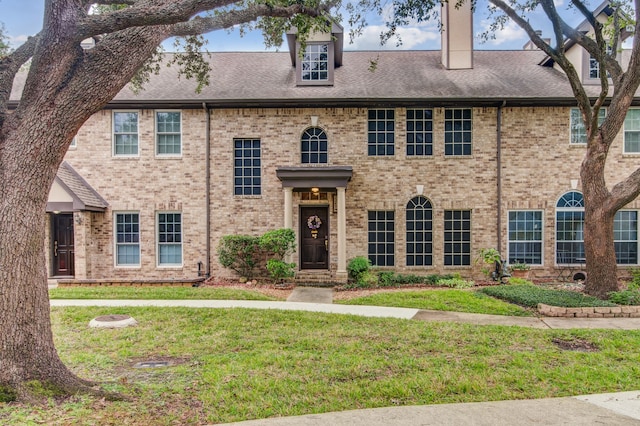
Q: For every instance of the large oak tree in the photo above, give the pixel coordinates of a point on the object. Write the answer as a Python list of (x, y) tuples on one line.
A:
[(65, 85)]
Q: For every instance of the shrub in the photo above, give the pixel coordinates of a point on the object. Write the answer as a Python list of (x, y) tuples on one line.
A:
[(455, 282), (519, 281), (531, 295), (278, 242), (358, 266), (239, 253), (280, 270), (631, 295)]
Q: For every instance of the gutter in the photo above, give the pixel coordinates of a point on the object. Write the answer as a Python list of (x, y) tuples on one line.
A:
[(499, 174), (207, 197)]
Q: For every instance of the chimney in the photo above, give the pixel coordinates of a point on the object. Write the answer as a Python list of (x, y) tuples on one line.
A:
[(457, 35)]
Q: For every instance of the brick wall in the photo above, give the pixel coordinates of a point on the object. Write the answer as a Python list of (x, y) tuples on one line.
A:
[(538, 166)]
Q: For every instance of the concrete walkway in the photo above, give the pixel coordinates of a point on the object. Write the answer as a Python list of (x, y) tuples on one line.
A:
[(604, 409), (613, 409)]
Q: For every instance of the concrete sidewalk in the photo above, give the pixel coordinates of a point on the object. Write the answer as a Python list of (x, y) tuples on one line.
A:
[(374, 311), (612, 409)]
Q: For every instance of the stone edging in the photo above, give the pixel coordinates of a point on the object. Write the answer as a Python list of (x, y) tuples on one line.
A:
[(590, 312)]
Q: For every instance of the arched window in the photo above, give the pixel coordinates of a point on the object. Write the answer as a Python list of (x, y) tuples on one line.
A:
[(570, 236), (570, 228), (419, 232), (314, 146)]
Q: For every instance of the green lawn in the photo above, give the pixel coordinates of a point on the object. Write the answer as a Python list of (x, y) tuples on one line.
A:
[(166, 293), (441, 300), (238, 364)]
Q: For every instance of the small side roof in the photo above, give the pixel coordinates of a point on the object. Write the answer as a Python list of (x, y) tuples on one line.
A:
[(80, 195)]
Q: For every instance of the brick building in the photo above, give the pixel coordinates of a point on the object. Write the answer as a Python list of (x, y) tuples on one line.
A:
[(417, 165)]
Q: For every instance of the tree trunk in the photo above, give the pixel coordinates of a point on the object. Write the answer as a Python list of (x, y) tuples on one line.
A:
[(602, 269), (600, 253), (27, 351)]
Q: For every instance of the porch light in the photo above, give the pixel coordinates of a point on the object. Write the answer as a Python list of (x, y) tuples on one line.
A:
[(315, 190)]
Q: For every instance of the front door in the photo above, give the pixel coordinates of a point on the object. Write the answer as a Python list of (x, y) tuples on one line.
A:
[(314, 237), (62, 244)]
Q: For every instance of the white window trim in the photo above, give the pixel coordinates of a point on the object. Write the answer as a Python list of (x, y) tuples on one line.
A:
[(542, 248), (115, 240), (74, 142), (169, 265), (622, 265), (155, 132), (113, 134), (624, 137), (571, 128)]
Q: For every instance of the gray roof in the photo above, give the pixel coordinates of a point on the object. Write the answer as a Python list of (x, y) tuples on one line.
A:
[(401, 78), (84, 196)]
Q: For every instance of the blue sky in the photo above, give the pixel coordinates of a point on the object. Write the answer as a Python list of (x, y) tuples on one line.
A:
[(24, 17)]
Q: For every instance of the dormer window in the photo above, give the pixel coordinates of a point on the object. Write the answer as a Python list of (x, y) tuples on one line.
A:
[(316, 59), (315, 63)]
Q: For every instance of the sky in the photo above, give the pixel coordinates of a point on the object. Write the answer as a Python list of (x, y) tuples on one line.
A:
[(22, 18)]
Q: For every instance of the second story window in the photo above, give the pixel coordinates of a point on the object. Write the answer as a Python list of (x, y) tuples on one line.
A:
[(168, 134), (314, 146), (125, 133), (632, 131), (578, 131), (419, 132), (381, 132), (247, 167), (457, 131), (315, 63)]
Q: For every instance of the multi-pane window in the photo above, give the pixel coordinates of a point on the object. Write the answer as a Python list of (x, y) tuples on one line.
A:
[(625, 237), (169, 239), (168, 134), (127, 239), (570, 228), (457, 237), (314, 146), (419, 132), (246, 167), (570, 232), (578, 130), (315, 63), (419, 224), (632, 131), (457, 131), (381, 132), (125, 133), (525, 237), (594, 65), (381, 238)]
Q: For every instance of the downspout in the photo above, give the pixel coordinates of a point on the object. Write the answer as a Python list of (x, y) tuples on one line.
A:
[(499, 175), (207, 197)]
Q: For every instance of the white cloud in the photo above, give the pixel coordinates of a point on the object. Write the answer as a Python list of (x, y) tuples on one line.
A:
[(509, 34), (17, 41), (412, 38)]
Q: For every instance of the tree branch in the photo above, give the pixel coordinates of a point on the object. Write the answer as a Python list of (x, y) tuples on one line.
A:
[(201, 25), (159, 12), (626, 191), (9, 67)]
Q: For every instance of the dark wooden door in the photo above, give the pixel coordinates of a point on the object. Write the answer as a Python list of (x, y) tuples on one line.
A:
[(62, 244), (314, 238)]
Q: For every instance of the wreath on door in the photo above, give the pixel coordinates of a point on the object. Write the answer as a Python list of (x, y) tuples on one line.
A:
[(314, 222)]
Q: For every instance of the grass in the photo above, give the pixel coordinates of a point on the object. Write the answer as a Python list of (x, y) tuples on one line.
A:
[(239, 364), (441, 300), (165, 293)]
